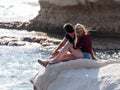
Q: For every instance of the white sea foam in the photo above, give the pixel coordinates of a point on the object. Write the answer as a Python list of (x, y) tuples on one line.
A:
[(18, 10)]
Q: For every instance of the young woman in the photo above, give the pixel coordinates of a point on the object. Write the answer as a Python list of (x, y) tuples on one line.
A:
[(81, 48), (83, 41)]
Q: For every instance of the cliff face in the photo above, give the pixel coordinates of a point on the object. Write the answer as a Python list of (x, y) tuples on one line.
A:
[(100, 15)]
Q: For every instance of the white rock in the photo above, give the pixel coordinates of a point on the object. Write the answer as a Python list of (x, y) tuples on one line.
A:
[(81, 74)]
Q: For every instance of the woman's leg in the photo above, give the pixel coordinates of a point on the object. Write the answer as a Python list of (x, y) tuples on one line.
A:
[(77, 53), (67, 57)]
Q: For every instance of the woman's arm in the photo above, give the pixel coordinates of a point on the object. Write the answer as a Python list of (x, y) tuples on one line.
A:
[(92, 55)]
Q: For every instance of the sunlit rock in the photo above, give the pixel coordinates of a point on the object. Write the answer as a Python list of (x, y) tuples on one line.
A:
[(81, 74)]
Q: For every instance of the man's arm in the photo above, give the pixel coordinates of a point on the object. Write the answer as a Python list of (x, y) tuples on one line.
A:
[(62, 43)]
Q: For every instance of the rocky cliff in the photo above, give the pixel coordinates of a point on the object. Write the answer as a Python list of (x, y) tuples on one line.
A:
[(103, 16)]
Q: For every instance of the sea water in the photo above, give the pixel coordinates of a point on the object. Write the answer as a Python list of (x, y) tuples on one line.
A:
[(18, 10), (19, 63)]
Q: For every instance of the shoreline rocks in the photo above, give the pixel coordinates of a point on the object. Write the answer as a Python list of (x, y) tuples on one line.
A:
[(36, 37), (14, 25), (44, 40), (25, 26)]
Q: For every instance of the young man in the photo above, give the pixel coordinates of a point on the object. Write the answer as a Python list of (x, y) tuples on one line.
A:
[(69, 37)]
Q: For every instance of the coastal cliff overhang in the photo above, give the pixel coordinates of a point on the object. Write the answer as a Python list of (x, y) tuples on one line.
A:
[(83, 2), (98, 15), (61, 2)]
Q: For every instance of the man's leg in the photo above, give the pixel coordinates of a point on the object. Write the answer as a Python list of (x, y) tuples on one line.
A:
[(61, 54), (52, 57), (58, 58)]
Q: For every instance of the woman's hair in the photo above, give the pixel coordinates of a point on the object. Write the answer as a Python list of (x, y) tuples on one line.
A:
[(68, 27), (80, 31)]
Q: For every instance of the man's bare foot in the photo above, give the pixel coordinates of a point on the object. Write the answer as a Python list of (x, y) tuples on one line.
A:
[(43, 63), (53, 62)]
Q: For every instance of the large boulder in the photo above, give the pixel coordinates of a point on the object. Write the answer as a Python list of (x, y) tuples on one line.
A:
[(100, 15), (81, 74)]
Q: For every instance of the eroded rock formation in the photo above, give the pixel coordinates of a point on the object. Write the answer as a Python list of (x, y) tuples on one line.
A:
[(100, 15)]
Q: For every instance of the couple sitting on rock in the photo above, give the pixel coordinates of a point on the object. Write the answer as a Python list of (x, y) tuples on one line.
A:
[(76, 44)]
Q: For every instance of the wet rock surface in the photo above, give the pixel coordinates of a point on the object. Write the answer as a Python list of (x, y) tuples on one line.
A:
[(39, 38), (14, 25)]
